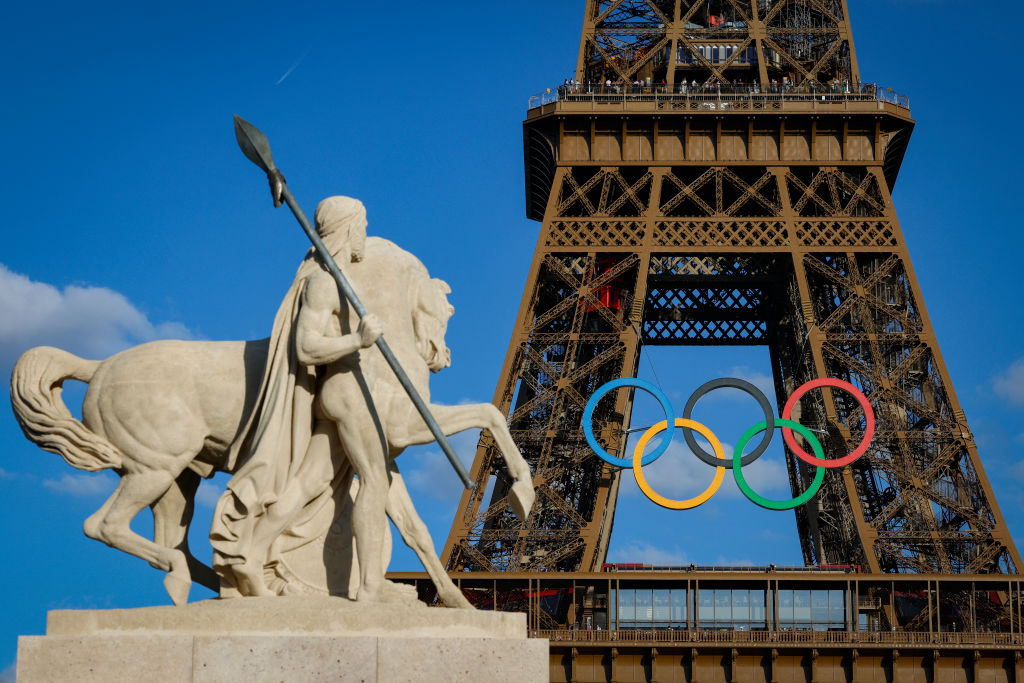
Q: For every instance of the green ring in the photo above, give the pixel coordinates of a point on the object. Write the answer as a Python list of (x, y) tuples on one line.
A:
[(768, 503)]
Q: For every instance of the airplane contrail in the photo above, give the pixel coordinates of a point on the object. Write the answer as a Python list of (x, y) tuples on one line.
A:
[(292, 67)]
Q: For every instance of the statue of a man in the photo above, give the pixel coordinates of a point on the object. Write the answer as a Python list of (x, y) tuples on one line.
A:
[(290, 444)]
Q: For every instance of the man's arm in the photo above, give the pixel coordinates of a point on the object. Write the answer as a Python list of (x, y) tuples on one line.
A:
[(314, 344)]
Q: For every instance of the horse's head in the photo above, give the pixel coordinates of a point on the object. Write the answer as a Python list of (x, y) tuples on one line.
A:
[(430, 322)]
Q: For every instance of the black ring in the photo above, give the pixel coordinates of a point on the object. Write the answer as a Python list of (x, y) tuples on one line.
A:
[(742, 385)]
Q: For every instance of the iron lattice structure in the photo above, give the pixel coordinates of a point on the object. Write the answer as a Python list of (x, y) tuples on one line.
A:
[(682, 215), (805, 40)]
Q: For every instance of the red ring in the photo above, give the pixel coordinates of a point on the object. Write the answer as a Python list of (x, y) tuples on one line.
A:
[(869, 416)]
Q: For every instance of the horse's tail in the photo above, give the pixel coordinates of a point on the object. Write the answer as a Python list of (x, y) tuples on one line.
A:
[(36, 384)]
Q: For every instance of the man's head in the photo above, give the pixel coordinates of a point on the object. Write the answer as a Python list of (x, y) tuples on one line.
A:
[(345, 218)]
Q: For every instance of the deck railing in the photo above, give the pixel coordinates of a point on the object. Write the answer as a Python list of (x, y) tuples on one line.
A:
[(716, 97), (895, 638)]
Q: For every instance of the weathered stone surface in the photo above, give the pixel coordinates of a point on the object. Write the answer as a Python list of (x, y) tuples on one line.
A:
[(124, 657), (304, 638), (293, 615), (462, 659), (130, 658), (285, 658)]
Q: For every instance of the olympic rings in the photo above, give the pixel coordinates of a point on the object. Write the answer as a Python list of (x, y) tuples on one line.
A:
[(719, 461), (588, 420), (691, 502), (869, 417), (797, 501), (733, 383)]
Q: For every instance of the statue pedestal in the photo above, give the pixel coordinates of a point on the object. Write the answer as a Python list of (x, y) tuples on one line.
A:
[(283, 639)]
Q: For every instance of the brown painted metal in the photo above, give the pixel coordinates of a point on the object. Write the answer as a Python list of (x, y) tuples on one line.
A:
[(806, 41), (728, 216), (927, 627)]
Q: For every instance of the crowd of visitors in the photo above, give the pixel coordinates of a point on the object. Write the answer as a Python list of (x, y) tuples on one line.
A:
[(571, 86)]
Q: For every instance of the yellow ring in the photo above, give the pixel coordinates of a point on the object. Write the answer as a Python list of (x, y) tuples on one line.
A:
[(690, 503)]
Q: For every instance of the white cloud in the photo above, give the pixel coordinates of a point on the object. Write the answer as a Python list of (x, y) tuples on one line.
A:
[(429, 473), (7, 675), (760, 380), (4, 474), (641, 552), (1010, 385), (92, 321), (83, 485), (209, 493)]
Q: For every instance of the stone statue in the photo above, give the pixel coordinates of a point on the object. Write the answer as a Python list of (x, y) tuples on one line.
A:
[(293, 417)]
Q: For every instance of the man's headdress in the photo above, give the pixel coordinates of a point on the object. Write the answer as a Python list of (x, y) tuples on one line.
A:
[(335, 213)]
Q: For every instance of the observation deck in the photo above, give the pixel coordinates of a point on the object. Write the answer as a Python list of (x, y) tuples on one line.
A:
[(638, 623), (711, 124), (730, 98)]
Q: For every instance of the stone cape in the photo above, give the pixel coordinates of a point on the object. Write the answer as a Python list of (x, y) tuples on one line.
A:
[(300, 638)]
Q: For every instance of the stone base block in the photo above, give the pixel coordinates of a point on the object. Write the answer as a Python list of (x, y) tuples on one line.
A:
[(315, 639)]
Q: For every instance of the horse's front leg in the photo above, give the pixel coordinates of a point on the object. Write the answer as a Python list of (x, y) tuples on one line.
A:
[(455, 419)]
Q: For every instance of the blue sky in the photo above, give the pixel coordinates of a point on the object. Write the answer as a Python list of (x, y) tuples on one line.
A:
[(131, 215)]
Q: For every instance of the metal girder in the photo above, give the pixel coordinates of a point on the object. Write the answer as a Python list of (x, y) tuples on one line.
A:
[(693, 242), (804, 40)]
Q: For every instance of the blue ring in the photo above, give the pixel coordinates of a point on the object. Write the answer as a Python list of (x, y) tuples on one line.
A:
[(588, 419)]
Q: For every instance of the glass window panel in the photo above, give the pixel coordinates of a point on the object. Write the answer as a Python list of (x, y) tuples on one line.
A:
[(786, 606), (627, 604), (741, 605), (706, 605), (801, 606), (723, 605), (819, 606), (837, 607), (757, 607), (643, 605), (662, 608), (679, 605)]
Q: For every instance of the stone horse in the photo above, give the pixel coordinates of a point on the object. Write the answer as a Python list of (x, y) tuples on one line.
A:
[(164, 414)]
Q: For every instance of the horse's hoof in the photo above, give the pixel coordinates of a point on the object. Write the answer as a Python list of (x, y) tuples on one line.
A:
[(522, 498), (177, 587)]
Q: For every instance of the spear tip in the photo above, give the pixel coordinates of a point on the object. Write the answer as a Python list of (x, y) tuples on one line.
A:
[(254, 144)]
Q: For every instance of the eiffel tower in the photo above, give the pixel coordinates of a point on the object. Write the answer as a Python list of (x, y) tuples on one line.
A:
[(719, 174)]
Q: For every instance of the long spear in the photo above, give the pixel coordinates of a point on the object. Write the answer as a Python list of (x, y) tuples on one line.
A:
[(256, 148)]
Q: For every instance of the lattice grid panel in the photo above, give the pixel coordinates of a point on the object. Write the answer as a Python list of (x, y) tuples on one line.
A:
[(595, 234), (720, 234), (846, 233)]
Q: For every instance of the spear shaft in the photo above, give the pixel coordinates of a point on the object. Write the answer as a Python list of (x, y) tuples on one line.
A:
[(256, 148)]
